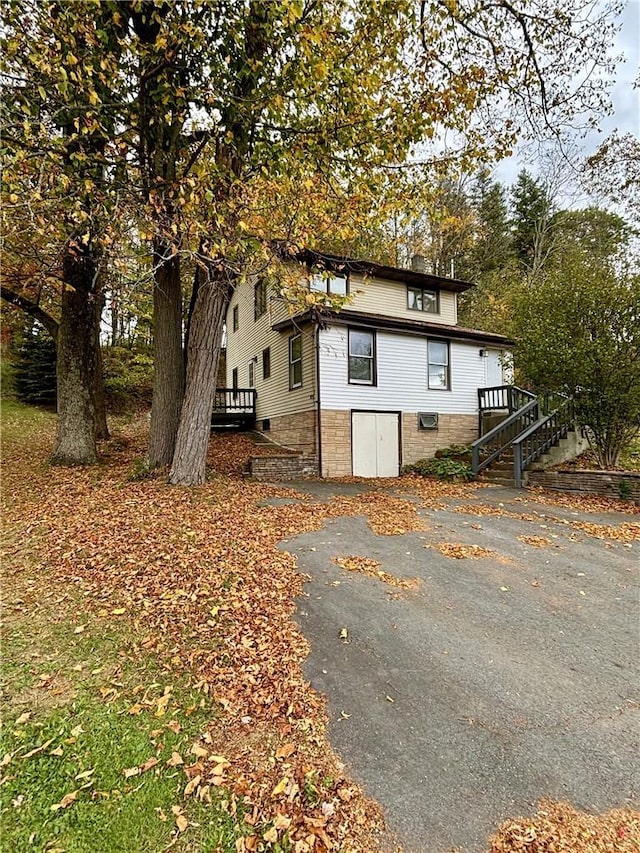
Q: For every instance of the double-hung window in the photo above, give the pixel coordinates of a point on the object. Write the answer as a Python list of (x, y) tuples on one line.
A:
[(331, 283), (420, 299), (439, 373), (362, 357), (295, 362), (266, 363)]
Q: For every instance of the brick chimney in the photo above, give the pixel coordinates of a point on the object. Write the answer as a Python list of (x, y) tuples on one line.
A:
[(419, 263)]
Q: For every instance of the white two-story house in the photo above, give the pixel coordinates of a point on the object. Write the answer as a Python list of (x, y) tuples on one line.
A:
[(384, 382)]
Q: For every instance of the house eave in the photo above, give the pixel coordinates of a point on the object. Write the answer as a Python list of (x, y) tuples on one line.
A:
[(341, 263), (392, 324)]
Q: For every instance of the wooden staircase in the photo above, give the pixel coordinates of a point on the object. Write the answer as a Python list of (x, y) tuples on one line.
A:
[(500, 471), (529, 426)]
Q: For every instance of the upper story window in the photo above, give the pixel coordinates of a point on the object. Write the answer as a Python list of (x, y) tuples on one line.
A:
[(420, 299), (295, 362), (260, 298), (439, 372), (235, 318), (332, 283), (362, 357)]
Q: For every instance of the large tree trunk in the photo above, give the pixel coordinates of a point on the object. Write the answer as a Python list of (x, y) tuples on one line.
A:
[(205, 338), (76, 436), (168, 377)]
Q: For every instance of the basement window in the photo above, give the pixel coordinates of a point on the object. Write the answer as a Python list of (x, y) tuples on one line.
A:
[(427, 420)]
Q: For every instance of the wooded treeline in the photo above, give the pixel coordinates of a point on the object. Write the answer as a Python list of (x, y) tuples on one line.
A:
[(155, 151)]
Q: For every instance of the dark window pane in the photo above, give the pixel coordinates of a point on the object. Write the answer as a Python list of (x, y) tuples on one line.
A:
[(430, 301), (338, 285), (360, 369), (296, 348), (437, 376), (260, 299), (318, 283), (437, 353)]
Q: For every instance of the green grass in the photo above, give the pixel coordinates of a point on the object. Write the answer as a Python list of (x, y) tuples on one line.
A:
[(98, 716), (20, 420), (80, 691)]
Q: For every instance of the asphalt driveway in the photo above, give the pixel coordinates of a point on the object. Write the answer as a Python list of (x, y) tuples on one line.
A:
[(495, 682)]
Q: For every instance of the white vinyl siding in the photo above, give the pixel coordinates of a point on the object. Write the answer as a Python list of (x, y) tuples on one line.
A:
[(402, 375), (389, 298)]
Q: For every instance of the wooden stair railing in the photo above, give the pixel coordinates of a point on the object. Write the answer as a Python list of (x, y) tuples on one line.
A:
[(544, 434)]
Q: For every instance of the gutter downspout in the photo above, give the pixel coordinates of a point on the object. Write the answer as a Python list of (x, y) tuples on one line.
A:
[(318, 411)]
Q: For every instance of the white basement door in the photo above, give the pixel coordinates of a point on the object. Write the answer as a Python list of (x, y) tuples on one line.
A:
[(374, 444)]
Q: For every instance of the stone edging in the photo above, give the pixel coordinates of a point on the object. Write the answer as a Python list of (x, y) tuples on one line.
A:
[(612, 484)]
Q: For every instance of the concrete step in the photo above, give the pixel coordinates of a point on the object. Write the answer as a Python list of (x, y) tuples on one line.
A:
[(498, 481), (501, 465)]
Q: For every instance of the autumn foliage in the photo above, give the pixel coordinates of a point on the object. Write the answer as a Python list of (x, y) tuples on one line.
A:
[(198, 580)]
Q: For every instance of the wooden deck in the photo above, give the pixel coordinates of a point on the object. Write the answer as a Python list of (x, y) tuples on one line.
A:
[(234, 408)]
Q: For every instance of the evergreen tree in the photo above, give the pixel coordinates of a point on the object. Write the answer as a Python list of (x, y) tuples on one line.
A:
[(532, 220), (35, 367), (492, 248)]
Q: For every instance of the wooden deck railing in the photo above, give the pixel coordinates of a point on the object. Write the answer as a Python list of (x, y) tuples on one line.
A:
[(494, 443), (533, 425), (234, 406)]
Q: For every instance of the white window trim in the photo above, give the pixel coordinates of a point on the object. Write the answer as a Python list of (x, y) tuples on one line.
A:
[(447, 366), (321, 283)]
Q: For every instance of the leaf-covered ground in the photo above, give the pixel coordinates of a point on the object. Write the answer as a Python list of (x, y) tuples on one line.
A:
[(195, 581)]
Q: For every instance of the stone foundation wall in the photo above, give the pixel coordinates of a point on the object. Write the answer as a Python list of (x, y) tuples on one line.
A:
[(297, 431), (336, 443), (289, 466), (422, 444), (612, 484), (416, 444)]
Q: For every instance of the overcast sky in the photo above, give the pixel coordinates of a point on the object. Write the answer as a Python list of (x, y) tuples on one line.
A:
[(626, 99)]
